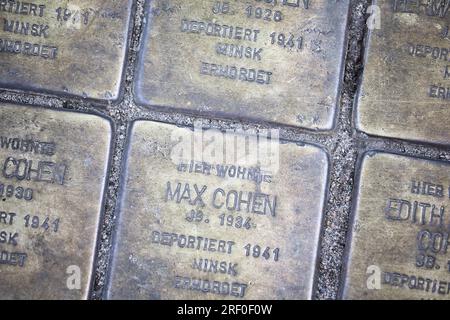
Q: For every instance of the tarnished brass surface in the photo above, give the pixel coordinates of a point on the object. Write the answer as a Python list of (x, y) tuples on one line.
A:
[(175, 224), (405, 89), (53, 169), (74, 47), (277, 61), (399, 245)]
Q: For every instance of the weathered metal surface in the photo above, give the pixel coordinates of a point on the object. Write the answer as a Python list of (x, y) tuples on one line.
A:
[(399, 243), (196, 225), (75, 47), (277, 61), (53, 170), (405, 89)]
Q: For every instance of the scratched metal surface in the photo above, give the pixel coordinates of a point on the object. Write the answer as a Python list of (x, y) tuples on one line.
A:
[(62, 48), (51, 194), (404, 92), (399, 229), (270, 254), (247, 64), (344, 144)]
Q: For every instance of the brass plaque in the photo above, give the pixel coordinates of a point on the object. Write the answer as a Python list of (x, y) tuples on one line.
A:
[(53, 169), (271, 60), (405, 89), (213, 224), (400, 234), (74, 47)]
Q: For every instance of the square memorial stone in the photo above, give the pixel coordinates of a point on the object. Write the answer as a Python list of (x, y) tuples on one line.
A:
[(400, 234), (277, 60), (202, 217), (75, 47), (53, 167), (405, 90)]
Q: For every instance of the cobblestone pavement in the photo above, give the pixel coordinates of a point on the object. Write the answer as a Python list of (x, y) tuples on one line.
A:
[(344, 144)]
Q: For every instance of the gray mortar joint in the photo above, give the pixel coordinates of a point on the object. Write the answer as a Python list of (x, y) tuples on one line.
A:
[(344, 145)]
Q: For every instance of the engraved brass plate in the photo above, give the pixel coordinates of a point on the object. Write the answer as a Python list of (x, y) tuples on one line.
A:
[(205, 229), (405, 91), (53, 169), (399, 245), (275, 60), (74, 47)]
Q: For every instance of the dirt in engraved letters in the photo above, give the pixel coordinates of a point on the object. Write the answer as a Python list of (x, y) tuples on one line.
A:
[(236, 47), (209, 224), (73, 41), (51, 190), (342, 153), (401, 237)]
